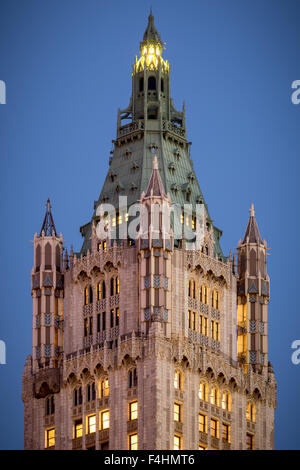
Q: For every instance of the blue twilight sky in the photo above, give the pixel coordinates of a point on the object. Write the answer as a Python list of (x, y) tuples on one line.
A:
[(67, 68)]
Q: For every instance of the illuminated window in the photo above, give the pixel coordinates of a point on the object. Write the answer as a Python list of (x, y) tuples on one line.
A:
[(117, 285), (215, 396), (193, 223), (226, 401), (251, 411), (202, 423), (104, 420), (104, 245), (215, 299), (203, 325), (78, 428), (226, 432), (104, 388), (91, 424), (194, 321), (215, 330), (126, 217), (50, 437), (133, 410), (99, 291), (178, 380), (203, 391), (190, 319), (177, 412), (99, 247), (204, 294), (250, 441), (133, 442), (201, 447), (177, 442), (214, 431), (86, 296)]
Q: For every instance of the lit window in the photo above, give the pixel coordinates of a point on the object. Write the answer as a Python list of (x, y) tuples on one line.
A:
[(177, 412), (250, 442), (91, 424), (126, 217), (226, 432), (201, 447), (203, 391), (117, 285), (202, 423), (251, 411), (86, 296), (104, 388), (50, 437), (177, 380), (226, 401), (133, 410), (214, 427), (99, 290), (78, 428), (133, 442), (104, 245), (99, 247), (177, 442), (193, 223), (204, 294), (215, 396), (104, 419)]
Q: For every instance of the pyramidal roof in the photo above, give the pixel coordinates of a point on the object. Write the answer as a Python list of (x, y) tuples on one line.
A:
[(48, 225), (155, 186), (252, 232)]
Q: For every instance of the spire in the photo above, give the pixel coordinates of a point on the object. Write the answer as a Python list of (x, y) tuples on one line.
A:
[(151, 33), (252, 229), (155, 186), (48, 225)]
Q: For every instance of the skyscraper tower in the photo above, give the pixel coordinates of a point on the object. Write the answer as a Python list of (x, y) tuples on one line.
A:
[(146, 339)]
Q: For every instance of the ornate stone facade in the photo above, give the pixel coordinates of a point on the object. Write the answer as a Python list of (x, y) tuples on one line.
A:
[(152, 343)]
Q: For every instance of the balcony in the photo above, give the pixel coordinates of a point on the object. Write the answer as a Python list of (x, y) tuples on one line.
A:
[(90, 439), (203, 437), (215, 442), (77, 443), (132, 425)]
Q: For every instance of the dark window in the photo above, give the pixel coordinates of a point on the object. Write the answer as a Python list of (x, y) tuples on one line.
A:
[(141, 87), (112, 286), (111, 318), (151, 83), (103, 321), (162, 85), (98, 322)]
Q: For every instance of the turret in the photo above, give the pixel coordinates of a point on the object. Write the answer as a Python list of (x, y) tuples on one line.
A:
[(155, 245), (47, 292), (253, 298)]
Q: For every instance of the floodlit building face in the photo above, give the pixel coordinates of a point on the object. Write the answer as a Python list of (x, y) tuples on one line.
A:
[(150, 341)]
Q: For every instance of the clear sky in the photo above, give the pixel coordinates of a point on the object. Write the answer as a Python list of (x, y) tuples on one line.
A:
[(67, 68)]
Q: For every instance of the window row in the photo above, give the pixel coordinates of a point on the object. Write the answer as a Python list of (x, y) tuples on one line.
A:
[(203, 325), (103, 391), (101, 290), (214, 427), (215, 396), (213, 299), (101, 322)]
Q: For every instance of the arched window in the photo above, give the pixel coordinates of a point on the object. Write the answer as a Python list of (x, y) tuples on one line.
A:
[(251, 412), (48, 255), (104, 387), (203, 391), (90, 295), (141, 84), (50, 406), (215, 396), (132, 378), (91, 392), (204, 294), (151, 83), (86, 296), (178, 380), (57, 257), (77, 396), (38, 258), (112, 286), (226, 401)]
